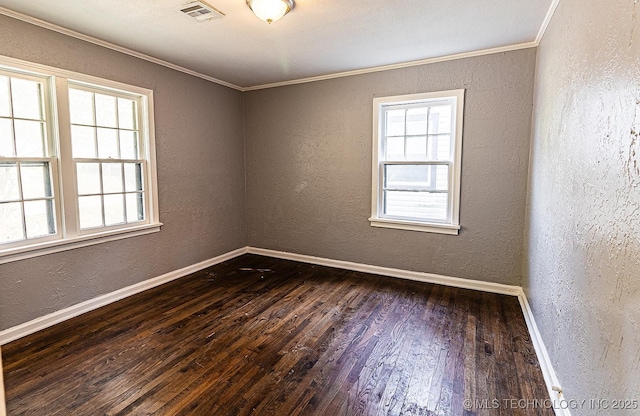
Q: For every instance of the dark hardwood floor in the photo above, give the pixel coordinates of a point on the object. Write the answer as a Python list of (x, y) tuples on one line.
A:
[(295, 339)]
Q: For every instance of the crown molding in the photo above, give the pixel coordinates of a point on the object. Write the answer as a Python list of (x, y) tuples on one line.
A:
[(534, 44), (444, 58), (409, 64), (87, 38), (546, 21)]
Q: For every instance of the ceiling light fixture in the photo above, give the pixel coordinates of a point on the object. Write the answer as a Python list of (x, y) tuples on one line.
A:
[(270, 10)]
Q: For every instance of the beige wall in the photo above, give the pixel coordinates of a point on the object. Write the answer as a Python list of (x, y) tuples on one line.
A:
[(583, 265), (199, 136), (308, 162)]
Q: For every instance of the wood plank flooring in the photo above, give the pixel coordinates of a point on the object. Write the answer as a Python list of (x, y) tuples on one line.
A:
[(263, 336)]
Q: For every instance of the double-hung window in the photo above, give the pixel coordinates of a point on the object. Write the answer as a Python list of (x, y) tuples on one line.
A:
[(77, 160), (27, 167), (417, 147), (106, 148)]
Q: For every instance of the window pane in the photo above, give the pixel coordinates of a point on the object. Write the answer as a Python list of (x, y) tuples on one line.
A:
[(6, 138), (395, 148), (29, 138), (39, 218), (128, 144), (440, 177), (111, 177), (417, 147), (440, 147), (88, 178), (415, 177), (105, 110), (107, 144), (135, 208), (440, 119), (127, 114), (27, 98), (418, 205), (35, 180), (90, 211), (417, 121), (83, 141), (395, 122), (81, 107), (114, 209), (133, 177), (5, 102), (11, 224), (9, 188)]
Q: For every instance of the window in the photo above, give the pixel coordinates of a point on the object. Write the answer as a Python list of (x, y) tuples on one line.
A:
[(77, 160), (26, 186), (417, 146), (105, 145)]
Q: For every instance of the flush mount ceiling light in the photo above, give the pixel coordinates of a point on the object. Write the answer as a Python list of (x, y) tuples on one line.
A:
[(270, 10)]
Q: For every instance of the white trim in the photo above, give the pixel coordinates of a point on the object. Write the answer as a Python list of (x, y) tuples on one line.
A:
[(27, 328), (56, 246), (69, 234), (72, 33), (550, 378), (399, 273), (409, 64), (149, 127), (415, 226), (453, 98), (546, 21), (87, 38)]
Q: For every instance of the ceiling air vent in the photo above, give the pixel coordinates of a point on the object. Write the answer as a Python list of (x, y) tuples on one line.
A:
[(201, 11)]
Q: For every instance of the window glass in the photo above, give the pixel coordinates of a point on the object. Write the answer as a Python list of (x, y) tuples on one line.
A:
[(116, 139), (76, 160), (26, 188), (416, 174)]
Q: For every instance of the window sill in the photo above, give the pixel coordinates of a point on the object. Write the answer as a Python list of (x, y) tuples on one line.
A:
[(49, 247), (415, 226)]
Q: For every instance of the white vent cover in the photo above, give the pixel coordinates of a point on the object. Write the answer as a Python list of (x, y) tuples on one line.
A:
[(201, 11)]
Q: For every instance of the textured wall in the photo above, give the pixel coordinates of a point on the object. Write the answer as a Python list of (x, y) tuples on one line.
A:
[(309, 168), (199, 138), (583, 266)]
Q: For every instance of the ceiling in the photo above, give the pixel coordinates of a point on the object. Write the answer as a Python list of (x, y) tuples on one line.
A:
[(318, 37)]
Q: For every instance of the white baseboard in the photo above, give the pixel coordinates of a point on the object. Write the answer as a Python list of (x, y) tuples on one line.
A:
[(386, 271), (550, 378), (27, 328), (560, 402)]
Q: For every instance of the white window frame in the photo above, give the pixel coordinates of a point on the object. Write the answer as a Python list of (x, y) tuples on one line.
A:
[(378, 218), (63, 171), (49, 158)]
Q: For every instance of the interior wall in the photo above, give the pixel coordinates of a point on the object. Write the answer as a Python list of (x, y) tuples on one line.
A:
[(583, 235), (200, 160), (308, 166)]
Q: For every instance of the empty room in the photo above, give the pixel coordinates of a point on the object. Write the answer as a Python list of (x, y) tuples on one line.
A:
[(320, 207)]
